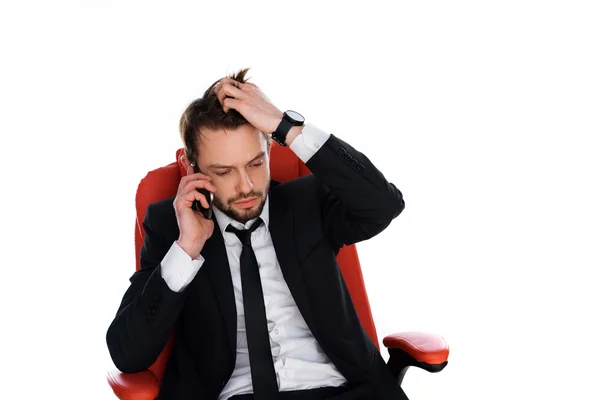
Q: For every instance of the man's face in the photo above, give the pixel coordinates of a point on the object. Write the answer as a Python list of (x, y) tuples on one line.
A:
[(238, 163)]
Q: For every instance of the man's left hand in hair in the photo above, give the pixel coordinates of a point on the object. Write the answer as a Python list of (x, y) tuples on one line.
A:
[(250, 101)]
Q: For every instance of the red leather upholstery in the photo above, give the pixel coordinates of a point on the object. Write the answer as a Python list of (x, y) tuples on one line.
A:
[(428, 348), (140, 386), (162, 183)]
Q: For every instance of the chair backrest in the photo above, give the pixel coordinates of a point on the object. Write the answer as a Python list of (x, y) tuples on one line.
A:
[(162, 183)]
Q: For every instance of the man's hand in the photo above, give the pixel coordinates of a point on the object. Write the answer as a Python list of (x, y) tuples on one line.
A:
[(249, 100), (194, 229)]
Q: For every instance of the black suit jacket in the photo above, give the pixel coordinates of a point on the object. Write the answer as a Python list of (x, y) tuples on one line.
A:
[(345, 200)]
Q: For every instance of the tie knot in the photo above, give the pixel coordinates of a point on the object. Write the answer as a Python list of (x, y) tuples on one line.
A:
[(244, 234)]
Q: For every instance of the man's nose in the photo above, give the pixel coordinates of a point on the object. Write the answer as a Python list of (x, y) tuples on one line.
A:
[(245, 184)]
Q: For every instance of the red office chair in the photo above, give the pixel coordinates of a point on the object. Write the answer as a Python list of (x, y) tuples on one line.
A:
[(424, 350)]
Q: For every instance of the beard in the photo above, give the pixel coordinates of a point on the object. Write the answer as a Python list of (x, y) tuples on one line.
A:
[(242, 216)]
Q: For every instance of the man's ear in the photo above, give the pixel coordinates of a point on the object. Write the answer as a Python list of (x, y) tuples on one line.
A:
[(183, 160), (183, 163)]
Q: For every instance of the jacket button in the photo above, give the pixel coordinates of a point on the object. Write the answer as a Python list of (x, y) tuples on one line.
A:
[(342, 150), (360, 167)]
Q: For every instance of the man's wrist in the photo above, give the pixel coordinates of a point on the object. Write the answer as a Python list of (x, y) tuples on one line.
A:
[(292, 134), (192, 249)]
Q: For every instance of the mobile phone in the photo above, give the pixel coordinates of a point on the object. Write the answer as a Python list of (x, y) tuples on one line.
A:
[(197, 206)]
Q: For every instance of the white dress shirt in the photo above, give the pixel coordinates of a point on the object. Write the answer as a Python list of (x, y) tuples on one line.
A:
[(298, 359)]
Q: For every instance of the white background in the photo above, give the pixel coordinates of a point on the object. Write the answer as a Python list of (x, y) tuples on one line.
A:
[(485, 114)]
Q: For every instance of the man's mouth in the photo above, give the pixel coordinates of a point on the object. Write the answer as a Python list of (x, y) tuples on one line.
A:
[(246, 203)]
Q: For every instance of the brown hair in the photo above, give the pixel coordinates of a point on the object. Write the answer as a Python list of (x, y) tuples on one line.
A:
[(206, 112)]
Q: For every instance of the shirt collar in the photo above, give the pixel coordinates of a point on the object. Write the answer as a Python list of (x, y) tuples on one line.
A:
[(224, 220)]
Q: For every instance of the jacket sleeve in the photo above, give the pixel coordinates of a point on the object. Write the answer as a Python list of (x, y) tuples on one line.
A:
[(149, 309), (357, 201)]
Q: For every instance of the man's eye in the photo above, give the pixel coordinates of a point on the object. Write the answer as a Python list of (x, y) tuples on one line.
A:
[(258, 164), (222, 173)]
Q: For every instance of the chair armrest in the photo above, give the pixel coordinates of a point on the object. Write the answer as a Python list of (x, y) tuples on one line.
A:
[(139, 386), (419, 349), (427, 348)]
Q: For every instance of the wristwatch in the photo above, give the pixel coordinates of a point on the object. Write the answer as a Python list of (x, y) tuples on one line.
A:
[(290, 118)]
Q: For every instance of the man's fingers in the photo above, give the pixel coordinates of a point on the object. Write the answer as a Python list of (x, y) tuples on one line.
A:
[(188, 191), (192, 177), (231, 93), (187, 199), (219, 85), (201, 198), (202, 184), (198, 184), (223, 81), (228, 90), (229, 103)]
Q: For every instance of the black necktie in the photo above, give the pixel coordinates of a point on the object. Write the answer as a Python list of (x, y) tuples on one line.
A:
[(264, 381)]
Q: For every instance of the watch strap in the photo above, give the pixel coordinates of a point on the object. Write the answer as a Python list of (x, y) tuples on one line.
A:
[(282, 130)]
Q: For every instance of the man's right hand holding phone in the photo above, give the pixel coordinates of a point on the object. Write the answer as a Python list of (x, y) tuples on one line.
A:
[(194, 229)]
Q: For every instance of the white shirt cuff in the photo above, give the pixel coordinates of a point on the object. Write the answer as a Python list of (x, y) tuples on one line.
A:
[(178, 269), (306, 144)]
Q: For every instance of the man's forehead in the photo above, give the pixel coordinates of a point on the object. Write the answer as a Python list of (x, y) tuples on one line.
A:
[(231, 145), (247, 128)]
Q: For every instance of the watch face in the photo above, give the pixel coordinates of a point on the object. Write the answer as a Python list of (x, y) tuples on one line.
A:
[(295, 116)]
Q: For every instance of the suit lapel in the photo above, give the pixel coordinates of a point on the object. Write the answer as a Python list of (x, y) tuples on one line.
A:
[(217, 266), (281, 228)]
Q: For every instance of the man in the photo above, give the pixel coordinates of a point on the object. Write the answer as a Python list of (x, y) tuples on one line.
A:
[(254, 294)]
